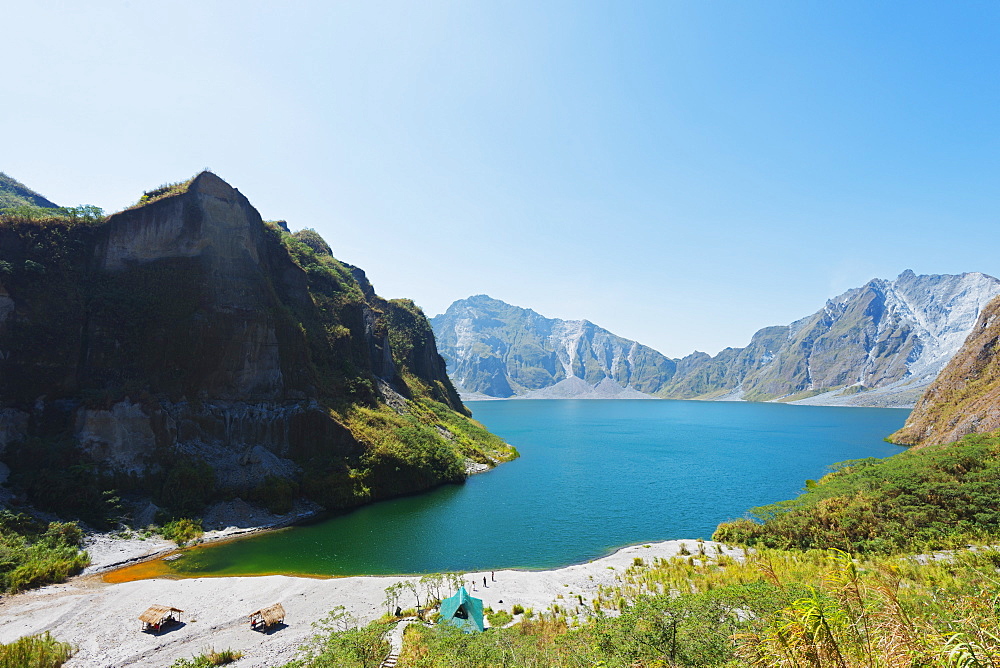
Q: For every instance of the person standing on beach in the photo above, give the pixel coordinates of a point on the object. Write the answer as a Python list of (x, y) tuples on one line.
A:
[(493, 576), (484, 582)]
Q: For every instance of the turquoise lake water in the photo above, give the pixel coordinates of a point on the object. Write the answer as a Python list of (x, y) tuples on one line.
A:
[(593, 476)]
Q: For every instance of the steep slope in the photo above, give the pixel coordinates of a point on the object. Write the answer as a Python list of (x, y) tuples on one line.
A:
[(13, 194), (187, 351), (880, 344), (499, 350), (965, 397)]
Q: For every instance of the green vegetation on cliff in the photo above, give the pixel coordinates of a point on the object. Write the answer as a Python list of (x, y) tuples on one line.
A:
[(187, 352), (933, 498), (964, 396)]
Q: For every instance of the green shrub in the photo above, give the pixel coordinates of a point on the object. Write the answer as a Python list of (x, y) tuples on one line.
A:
[(276, 494), (38, 651), (517, 609), (208, 659), (189, 484), (341, 645), (499, 618), (182, 530), (33, 553)]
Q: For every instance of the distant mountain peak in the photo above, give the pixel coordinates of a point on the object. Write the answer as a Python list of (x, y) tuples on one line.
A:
[(500, 350)]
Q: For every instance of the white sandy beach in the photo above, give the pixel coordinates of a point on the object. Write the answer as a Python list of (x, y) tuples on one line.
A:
[(101, 618)]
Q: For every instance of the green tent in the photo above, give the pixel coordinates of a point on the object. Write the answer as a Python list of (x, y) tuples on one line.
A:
[(463, 611)]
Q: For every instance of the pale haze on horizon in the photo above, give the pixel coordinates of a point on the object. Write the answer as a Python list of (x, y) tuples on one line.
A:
[(680, 173)]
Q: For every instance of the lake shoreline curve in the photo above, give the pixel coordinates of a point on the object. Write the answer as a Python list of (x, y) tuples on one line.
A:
[(216, 607), (112, 551)]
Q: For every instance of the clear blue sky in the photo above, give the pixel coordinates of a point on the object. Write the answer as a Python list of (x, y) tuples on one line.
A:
[(681, 173)]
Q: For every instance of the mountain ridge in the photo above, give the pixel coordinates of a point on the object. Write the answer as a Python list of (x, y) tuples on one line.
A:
[(965, 397), (878, 344)]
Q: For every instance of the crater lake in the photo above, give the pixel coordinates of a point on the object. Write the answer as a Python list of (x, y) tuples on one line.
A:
[(594, 475)]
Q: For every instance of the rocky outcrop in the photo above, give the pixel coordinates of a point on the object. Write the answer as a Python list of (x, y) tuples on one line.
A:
[(965, 396), (186, 333)]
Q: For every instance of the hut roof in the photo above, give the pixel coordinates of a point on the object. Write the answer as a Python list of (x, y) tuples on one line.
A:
[(156, 613), (272, 614)]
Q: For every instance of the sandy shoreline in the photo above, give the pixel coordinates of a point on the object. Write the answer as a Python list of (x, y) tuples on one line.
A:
[(101, 618)]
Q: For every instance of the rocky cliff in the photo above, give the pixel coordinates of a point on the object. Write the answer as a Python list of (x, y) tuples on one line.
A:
[(498, 350), (965, 397), (187, 351), (877, 345)]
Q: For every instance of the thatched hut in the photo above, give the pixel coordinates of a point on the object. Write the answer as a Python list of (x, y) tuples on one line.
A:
[(157, 616), (269, 616)]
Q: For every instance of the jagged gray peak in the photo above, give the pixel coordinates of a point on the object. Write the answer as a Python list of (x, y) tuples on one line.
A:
[(880, 344), (499, 350)]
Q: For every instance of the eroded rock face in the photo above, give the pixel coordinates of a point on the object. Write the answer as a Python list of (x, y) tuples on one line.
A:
[(13, 427), (213, 234), (965, 397), (6, 304), (184, 328), (244, 443), (219, 220), (121, 437)]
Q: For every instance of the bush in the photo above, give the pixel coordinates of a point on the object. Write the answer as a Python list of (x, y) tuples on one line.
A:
[(340, 646), (187, 487), (518, 609), (34, 553), (182, 530), (208, 659), (500, 618), (38, 651), (276, 494)]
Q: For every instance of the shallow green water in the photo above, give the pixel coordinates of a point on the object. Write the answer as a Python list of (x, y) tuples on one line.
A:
[(593, 476)]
